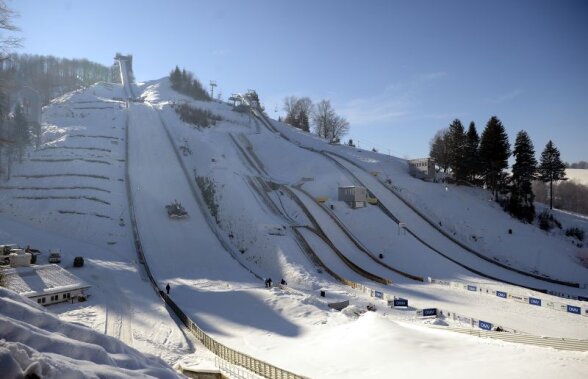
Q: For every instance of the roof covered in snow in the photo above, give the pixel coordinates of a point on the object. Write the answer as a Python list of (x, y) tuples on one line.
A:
[(41, 280)]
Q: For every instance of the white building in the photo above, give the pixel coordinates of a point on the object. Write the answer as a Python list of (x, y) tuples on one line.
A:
[(45, 284), (19, 258), (422, 168), (354, 196)]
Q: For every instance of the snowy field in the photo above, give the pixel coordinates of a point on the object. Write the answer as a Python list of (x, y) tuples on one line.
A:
[(265, 188), (577, 175)]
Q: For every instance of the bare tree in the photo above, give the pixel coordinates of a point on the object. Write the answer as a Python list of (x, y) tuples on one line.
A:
[(327, 124), (298, 112), (8, 41)]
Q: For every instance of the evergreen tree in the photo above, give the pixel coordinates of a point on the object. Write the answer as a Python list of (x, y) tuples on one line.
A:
[(175, 77), (440, 149), (184, 82), (494, 152), (524, 171), (472, 159), (551, 168), (457, 149)]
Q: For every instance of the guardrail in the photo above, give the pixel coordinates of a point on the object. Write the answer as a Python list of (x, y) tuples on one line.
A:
[(520, 298), (232, 356)]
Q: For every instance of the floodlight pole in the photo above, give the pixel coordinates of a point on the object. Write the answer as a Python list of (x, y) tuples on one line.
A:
[(212, 85)]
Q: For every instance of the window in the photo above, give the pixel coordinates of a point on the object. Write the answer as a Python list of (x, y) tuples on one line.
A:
[(39, 301), (43, 300), (64, 296), (68, 295)]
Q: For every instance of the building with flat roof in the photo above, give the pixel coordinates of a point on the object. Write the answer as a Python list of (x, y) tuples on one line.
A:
[(45, 284), (354, 196), (422, 168)]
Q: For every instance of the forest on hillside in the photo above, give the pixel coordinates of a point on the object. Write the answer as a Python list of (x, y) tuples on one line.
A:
[(49, 75)]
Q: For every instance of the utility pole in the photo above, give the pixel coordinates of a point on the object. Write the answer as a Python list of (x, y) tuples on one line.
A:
[(212, 85)]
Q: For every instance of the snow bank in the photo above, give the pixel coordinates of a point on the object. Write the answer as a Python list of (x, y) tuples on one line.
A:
[(35, 341)]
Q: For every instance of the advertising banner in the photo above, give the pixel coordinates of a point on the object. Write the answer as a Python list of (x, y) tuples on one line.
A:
[(484, 325), (574, 309), (535, 301), (427, 312)]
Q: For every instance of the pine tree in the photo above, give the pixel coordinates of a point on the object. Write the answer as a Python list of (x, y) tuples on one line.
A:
[(494, 153), (551, 168), (457, 147), (175, 77), (472, 159), (524, 171)]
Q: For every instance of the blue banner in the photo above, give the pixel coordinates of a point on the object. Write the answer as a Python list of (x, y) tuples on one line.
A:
[(574, 309), (378, 294), (534, 301), (484, 325), (400, 302), (430, 312), (472, 288), (501, 294)]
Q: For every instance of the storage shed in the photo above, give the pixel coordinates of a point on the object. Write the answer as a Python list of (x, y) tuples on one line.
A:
[(354, 196), (45, 284)]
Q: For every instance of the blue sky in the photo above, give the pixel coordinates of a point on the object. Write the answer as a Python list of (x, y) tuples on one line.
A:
[(397, 70)]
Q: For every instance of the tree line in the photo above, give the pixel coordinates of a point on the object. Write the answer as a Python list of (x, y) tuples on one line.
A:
[(582, 165), (483, 160), (301, 113), (184, 82), (49, 75)]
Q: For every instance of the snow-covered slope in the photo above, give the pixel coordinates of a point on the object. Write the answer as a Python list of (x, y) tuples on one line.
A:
[(265, 223), (468, 214), (74, 181), (34, 341)]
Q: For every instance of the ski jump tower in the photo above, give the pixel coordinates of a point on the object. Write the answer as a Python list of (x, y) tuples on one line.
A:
[(124, 64)]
